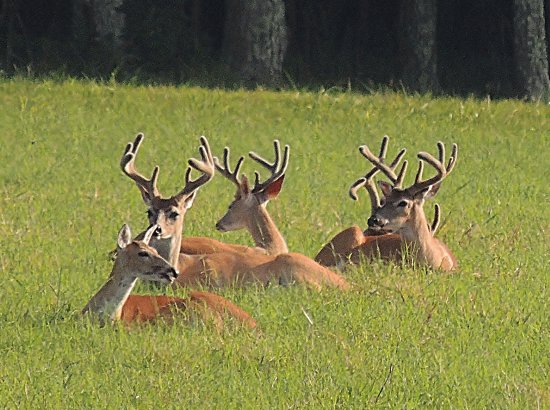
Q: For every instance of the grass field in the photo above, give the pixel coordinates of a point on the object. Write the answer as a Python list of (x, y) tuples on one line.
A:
[(403, 337)]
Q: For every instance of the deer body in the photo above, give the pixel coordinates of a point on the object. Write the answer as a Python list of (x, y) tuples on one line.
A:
[(232, 269), (207, 306), (199, 245), (352, 245)]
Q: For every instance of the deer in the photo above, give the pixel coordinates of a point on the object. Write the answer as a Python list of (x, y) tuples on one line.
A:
[(223, 267), (353, 244), (248, 209), (402, 211), (368, 243), (135, 259)]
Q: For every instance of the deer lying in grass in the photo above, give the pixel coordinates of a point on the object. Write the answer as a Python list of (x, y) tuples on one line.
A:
[(402, 209), (137, 260), (248, 209), (351, 245), (221, 268)]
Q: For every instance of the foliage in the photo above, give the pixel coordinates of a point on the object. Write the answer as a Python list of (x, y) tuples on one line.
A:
[(332, 43), (403, 337)]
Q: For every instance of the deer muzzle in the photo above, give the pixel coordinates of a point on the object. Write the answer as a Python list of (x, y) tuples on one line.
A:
[(375, 222)]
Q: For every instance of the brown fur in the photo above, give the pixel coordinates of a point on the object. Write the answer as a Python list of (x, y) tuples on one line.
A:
[(208, 306)]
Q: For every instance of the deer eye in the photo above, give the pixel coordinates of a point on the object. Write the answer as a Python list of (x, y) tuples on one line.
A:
[(402, 204), (173, 215), (143, 254)]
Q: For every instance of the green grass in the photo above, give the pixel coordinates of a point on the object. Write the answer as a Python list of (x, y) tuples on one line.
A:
[(402, 338)]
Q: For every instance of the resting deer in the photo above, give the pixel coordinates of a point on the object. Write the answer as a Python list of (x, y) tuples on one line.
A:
[(402, 208), (220, 268), (169, 212), (248, 209), (352, 244), (137, 260)]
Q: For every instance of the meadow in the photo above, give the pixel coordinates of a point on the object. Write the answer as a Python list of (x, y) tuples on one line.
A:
[(403, 337)]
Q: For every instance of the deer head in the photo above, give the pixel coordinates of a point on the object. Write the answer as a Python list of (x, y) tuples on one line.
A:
[(401, 208), (137, 258), (167, 213), (249, 199)]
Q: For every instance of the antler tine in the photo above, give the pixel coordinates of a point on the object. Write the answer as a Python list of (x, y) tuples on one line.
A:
[(127, 164), (205, 166), (368, 182), (225, 170), (277, 168), (439, 165), (370, 186), (356, 186), (380, 165), (437, 219)]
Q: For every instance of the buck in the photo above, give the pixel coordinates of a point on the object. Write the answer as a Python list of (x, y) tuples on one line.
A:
[(402, 210), (225, 266), (352, 244), (137, 260), (248, 209)]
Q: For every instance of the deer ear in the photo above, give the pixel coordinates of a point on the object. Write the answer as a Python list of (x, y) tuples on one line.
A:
[(188, 200), (124, 237), (385, 187), (272, 190), (434, 189), (244, 186), (428, 192)]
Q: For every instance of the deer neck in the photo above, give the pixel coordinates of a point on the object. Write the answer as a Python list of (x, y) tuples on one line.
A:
[(107, 303), (265, 232), (418, 234)]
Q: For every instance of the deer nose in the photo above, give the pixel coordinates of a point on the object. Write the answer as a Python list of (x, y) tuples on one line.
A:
[(219, 226), (175, 273), (158, 231), (375, 222)]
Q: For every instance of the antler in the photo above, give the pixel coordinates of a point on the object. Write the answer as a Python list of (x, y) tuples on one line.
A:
[(435, 222), (205, 166), (379, 165), (225, 170), (127, 164), (439, 165), (277, 169)]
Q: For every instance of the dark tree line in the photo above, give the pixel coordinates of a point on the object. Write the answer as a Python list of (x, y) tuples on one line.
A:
[(496, 47)]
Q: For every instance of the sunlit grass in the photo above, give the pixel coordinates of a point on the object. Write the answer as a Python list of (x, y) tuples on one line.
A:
[(402, 338)]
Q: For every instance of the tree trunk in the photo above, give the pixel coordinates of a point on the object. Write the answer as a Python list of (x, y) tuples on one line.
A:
[(106, 21), (531, 59), (418, 45), (255, 40)]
